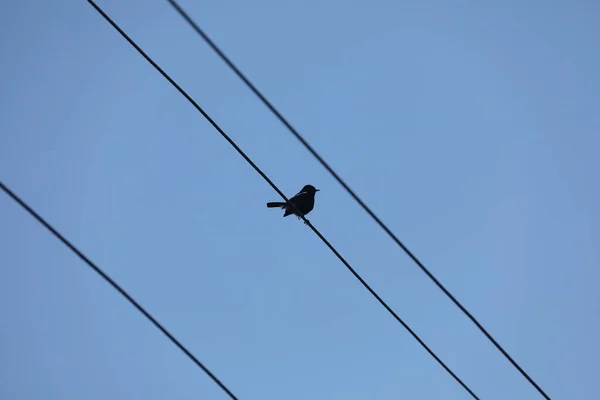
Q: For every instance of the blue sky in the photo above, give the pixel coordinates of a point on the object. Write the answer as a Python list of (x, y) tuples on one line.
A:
[(470, 129)]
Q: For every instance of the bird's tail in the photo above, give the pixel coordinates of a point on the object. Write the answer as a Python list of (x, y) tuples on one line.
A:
[(276, 204)]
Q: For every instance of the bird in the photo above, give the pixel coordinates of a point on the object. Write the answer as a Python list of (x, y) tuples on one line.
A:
[(303, 201)]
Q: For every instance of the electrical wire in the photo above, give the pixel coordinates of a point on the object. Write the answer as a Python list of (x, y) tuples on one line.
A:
[(366, 208), (268, 180), (115, 286)]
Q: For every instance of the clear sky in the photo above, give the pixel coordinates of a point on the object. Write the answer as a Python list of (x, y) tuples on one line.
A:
[(470, 128)]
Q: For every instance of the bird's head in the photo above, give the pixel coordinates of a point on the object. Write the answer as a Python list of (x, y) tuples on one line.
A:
[(309, 189)]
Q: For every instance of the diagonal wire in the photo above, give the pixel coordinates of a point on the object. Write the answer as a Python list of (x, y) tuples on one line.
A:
[(383, 226), (268, 180), (115, 286)]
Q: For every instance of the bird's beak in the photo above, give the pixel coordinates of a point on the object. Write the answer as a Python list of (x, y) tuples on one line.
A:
[(317, 190)]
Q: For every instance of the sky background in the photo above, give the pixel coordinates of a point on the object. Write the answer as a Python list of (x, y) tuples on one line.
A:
[(470, 128)]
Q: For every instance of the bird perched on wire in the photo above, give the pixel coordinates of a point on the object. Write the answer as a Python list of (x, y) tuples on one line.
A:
[(304, 201)]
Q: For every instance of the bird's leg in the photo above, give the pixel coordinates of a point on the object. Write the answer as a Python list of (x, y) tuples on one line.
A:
[(299, 217)]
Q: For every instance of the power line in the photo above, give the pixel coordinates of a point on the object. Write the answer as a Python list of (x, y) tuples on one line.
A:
[(281, 118), (266, 178), (116, 286)]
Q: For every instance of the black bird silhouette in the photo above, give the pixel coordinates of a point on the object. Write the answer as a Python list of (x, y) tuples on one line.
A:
[(304, 201)]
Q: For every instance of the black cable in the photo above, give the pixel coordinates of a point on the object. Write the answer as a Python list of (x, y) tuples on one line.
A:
[(267, 103), (116, 286), (266, 178)]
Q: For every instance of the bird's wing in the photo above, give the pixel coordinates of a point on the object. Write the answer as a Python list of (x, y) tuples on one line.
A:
[(297, 195)]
